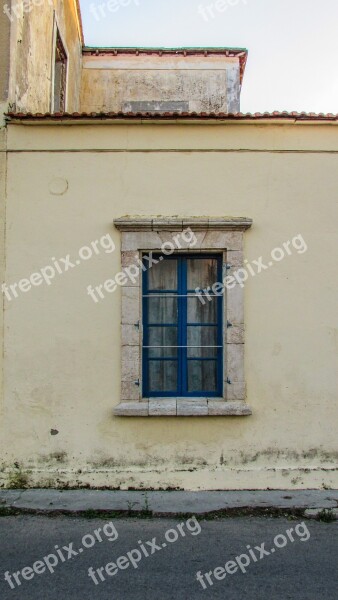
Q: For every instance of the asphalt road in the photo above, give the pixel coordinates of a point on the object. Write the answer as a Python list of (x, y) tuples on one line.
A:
[(167, 558)]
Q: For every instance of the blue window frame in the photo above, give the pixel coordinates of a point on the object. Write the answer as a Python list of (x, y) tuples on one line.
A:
[(182, 335)]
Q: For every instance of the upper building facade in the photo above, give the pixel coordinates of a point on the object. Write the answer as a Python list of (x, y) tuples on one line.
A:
[(46, 68), (43, 56), (162, 80)]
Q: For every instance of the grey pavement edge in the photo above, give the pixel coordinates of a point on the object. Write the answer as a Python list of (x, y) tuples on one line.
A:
[(168, 503)]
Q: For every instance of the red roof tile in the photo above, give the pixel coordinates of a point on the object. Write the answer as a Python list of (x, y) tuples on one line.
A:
[(172, 116)]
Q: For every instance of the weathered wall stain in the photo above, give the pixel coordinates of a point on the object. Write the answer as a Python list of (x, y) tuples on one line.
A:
[(160, 83)]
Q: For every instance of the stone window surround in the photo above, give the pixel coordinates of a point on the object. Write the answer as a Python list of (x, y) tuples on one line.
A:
[(142, 234)]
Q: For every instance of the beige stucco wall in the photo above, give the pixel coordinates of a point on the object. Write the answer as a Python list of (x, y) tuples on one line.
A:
[(3, 167), (4, 55), (120, 83), (4, 83), (32, 54), (62, 351)]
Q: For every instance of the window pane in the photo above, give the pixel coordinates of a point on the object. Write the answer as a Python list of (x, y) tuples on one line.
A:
[(162, 336), (166, 352), (174, 319), (202, 352), (202, 336), (202, 272), (162, 376), (163, 275), (162, 310), (202, 313), (202, 376)]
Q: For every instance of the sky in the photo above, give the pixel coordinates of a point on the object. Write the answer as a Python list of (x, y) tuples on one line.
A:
[(293, 44)]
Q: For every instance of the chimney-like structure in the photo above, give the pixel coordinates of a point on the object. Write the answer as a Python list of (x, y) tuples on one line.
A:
[(162, 80)]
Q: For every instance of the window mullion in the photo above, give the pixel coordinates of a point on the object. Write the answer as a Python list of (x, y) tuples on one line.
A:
[(183, 328), (220, 341), (179, 328), (145, 334)]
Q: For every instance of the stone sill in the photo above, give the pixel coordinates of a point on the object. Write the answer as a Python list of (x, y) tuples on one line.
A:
[(175, 407)]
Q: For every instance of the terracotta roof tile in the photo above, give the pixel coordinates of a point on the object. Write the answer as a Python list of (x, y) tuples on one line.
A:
[(191, 116)]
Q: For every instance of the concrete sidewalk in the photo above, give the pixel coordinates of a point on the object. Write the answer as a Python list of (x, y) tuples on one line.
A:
[(307, 502)]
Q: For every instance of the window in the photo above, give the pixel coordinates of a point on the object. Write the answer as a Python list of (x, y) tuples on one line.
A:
[(180, 356), (182, 337), (59, 75)]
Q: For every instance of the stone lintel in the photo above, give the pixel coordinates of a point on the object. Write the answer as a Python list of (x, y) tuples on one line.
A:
[(137, 223)]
